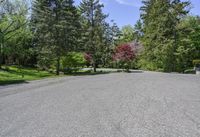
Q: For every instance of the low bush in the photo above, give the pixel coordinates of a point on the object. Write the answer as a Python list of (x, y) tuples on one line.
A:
[(73, 61)]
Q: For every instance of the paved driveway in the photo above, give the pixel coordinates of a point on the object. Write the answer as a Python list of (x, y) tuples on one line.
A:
[(112, 105)]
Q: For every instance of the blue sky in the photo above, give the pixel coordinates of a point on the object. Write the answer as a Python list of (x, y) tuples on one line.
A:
[(125, 12)]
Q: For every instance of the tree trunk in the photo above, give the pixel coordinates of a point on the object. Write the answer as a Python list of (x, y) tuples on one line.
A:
[(95, 67), (1, 60), (1, 54), (58, 66)]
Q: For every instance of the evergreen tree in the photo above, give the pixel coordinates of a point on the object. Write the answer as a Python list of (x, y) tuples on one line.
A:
[(138, 27), (55, 23), (111, 39), (94, 20), (160, 19), (115, 33), (188, 42)]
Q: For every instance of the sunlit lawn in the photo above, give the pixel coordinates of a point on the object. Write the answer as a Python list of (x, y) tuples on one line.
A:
[(15, 75)]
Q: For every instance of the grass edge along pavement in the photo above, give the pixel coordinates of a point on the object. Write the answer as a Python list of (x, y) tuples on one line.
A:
[(16, 75)]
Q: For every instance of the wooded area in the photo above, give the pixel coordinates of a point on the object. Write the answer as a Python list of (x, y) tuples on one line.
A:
[(56, 35)]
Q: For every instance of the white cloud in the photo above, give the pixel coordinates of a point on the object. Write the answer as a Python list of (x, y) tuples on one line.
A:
[(135, 3)]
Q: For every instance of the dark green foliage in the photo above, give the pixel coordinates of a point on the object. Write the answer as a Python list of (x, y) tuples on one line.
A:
[(160, 34), (138, 31), (46, 60), (56, 34), (94, 26), (55, 28), (55, 23)]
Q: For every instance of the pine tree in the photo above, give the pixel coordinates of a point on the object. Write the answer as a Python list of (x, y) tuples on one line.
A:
[(160, 19), (138, 27), (55, 23), (93, 19), (115, 33), (111, 39)]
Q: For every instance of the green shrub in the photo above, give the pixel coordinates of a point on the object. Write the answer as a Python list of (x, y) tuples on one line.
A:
[(72, 61), (147, 65)]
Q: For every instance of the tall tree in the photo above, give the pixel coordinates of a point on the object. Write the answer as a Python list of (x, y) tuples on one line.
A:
[(110, 40), (12, 19), (115, 33), (160, 19), (93, 19), (138, 27), (188, 42), (55, 23)]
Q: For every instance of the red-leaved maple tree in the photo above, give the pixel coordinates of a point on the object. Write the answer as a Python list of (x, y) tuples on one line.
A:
[(125, 53)]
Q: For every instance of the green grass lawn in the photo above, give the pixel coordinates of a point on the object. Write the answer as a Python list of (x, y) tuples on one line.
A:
[(14, 75)]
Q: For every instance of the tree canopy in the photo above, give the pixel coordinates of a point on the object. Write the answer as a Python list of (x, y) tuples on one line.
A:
[(55, 34)]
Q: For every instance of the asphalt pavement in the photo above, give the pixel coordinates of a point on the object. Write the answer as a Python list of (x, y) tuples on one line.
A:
[(137, 104)]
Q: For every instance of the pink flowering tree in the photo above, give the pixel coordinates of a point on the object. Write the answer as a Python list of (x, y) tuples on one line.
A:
[(124, 54)]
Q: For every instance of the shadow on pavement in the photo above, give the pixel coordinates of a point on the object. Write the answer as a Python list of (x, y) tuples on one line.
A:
[(9, 82), (87, 73), (136, 71)]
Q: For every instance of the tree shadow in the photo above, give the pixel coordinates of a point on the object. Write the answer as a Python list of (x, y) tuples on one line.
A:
[(87, 73), (131, 71), (28, 72), (9, 82), (136, 71)]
